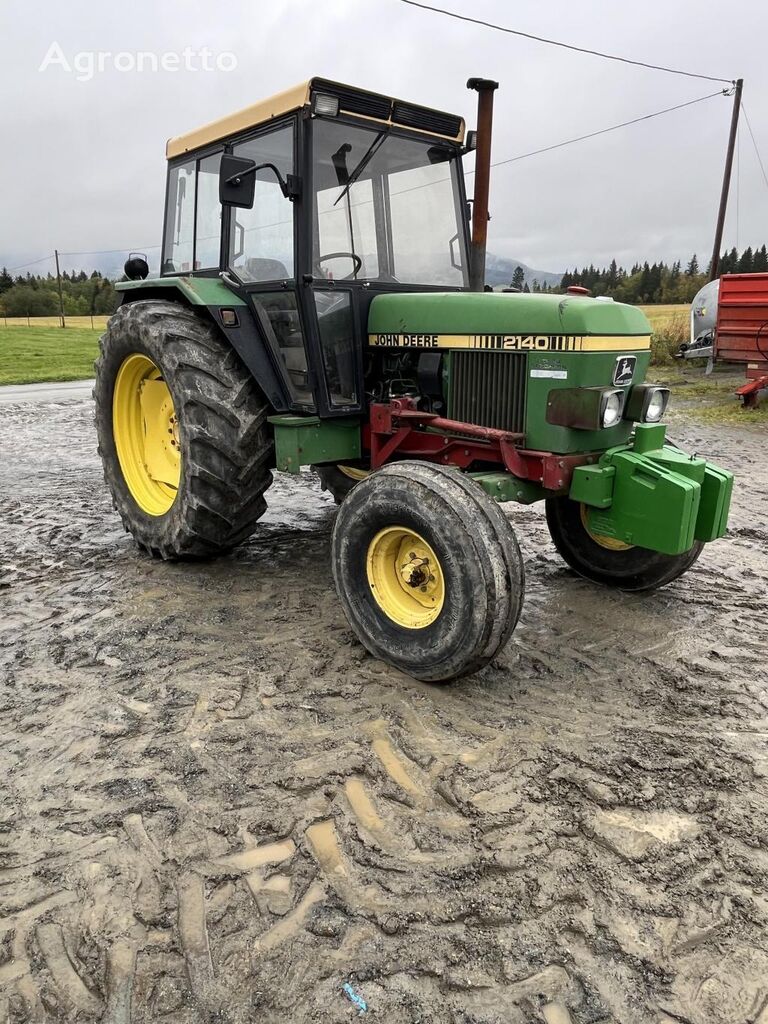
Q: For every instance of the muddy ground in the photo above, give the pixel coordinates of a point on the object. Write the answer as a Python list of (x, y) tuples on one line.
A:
[(217, 807)]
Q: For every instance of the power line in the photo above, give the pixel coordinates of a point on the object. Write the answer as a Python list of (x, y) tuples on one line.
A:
[(565, 46), (83, 252), (107, 252), (613, 128), (754, 143), (569, 142), (33, 263)]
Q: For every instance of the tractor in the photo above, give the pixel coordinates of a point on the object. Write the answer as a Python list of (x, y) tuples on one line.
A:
[(321, 303)]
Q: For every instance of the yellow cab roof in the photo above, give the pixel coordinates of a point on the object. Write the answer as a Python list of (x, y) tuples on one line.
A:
[(351, 100)]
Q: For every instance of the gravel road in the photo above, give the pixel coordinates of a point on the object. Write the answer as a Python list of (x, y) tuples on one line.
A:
[(217, 807)]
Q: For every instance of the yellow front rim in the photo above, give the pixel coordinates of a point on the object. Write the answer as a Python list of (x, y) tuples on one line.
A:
[(405, 577), (610, 543), (146, 433)]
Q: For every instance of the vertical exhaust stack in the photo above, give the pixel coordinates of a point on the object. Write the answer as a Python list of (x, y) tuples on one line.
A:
[(485, 89)]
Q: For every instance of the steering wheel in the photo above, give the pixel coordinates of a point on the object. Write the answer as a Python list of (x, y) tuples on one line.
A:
[(357, 263)]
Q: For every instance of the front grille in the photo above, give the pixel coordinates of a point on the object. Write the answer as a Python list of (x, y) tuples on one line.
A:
[(425, 119), (488, 388)]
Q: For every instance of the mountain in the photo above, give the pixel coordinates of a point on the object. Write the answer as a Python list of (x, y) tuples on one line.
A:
[(499, 271)]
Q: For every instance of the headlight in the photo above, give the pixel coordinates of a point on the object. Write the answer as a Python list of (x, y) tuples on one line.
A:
[(656, 407), (612, 408), (646, 403), (585, 408)]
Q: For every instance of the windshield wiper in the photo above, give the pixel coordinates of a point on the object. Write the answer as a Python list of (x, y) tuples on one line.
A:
[(363, 164)]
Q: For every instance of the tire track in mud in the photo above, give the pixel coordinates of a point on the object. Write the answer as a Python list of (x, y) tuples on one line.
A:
[(217, 806)]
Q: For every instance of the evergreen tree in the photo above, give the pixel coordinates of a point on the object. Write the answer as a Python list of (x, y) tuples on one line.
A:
[(693, 267), (612, 277), (747, 261), (518, 278)]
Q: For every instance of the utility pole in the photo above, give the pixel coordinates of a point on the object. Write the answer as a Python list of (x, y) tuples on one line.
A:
[(715, 264), (61, 297)]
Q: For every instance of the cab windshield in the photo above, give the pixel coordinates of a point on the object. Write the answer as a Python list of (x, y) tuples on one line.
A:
[(386, 208)]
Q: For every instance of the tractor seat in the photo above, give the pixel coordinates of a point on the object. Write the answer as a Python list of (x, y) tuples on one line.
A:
[(256, 268)]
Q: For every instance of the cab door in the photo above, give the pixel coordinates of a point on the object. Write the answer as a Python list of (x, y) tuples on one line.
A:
[(261, 252)]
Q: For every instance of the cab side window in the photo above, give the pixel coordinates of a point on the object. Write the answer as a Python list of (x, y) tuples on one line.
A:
[(208, 226), (261, 239), (180, 220)]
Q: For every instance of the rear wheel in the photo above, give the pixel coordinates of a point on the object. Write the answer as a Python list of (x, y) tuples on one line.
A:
[(428, 570), (606, 560), (341, 478), (182, 432)]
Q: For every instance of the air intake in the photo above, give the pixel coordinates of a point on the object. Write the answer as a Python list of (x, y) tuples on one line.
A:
[(354, 102), (426, 120)]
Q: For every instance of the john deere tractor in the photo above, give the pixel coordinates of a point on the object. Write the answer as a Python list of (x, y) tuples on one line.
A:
[(321, 303)]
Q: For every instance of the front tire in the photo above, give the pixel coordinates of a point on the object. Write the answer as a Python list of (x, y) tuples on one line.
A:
[(608, 562), (182, 431), (428, 570)]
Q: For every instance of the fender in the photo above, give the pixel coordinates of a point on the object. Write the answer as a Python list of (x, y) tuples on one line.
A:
[(211, 295)]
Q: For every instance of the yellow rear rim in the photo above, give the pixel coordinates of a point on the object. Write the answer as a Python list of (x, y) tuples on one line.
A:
[(146, 433), (405, 577), (610, 543), (353, 472)]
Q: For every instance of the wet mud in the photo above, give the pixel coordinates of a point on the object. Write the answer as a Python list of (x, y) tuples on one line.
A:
[(215, 806)]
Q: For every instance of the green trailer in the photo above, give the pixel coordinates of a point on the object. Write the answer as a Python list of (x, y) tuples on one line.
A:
[(321, 303)]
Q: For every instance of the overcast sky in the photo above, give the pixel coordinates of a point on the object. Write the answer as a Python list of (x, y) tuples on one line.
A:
[(83, 164)]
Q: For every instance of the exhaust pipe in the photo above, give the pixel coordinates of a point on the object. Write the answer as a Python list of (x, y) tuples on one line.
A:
[(485, 89)]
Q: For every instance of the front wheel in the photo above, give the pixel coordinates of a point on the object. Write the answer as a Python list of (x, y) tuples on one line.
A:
[(428, 570), (606, 560)]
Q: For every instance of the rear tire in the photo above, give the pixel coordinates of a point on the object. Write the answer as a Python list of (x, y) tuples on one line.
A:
[(428, 570), (223, 442), (340, 480), (630, 568)]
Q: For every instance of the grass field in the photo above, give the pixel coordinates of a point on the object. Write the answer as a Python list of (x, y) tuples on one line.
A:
[(665, 316), (29, 355), (98, 323)]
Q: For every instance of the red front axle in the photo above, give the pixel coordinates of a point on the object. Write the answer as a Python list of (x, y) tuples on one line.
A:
[(400, 428)]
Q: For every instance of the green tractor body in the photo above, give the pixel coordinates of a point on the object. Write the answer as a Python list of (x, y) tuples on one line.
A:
[(323, 239)]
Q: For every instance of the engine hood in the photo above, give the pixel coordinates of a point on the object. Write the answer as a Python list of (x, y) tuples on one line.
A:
[(501, 313)]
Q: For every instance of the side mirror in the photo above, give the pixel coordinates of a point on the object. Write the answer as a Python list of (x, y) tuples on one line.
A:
[(237, 181)]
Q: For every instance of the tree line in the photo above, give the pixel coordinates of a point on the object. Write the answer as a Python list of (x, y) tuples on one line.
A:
[(95, 295), (35, 295), (652, 282)]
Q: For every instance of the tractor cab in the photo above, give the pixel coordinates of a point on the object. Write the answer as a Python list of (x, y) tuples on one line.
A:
[(308, 205)]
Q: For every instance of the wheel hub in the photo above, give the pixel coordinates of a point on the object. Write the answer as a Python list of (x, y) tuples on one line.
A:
[(405, 577)]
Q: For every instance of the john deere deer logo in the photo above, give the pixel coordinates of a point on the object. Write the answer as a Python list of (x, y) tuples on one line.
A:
[(625, 368)]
